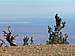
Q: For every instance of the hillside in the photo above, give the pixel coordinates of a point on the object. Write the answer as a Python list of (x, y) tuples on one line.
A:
[(38, 50)]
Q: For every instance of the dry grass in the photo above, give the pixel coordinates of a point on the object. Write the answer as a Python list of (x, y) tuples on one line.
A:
[(38, 50)]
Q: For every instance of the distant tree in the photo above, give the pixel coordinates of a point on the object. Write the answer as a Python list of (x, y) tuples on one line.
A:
[(56, 36), (25, 40), (10, 38)]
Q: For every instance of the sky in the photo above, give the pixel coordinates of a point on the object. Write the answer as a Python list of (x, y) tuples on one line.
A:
[(39, 13), (34, 8)]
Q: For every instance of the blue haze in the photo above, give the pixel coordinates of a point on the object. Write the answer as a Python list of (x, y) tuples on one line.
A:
[(33, 16)]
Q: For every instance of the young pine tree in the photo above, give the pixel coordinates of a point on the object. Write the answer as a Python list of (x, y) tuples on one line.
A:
[(25, 40), (56, 36), (10, 38), (31, 41)]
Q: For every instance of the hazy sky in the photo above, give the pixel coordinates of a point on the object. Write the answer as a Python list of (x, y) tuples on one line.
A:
[(35, 8)]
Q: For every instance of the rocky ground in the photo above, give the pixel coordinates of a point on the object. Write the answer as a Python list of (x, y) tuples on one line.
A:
[(38, 50)]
